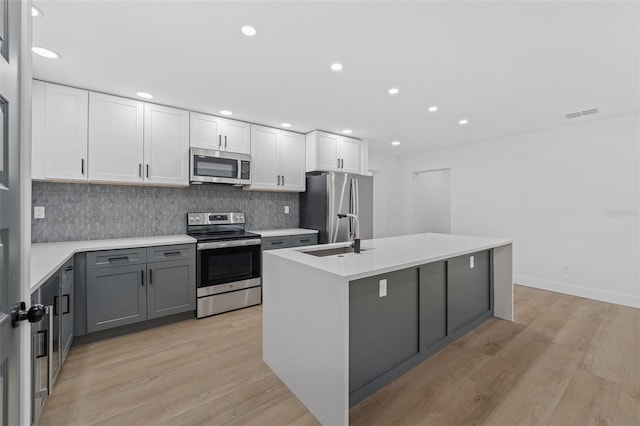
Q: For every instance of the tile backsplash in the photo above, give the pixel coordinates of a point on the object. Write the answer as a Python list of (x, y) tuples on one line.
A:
[(92, 212)]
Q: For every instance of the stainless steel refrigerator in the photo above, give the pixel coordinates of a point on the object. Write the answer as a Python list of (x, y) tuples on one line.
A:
[(332, 193)]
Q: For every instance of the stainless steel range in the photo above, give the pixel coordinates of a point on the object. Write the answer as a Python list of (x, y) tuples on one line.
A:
[(227, 263)]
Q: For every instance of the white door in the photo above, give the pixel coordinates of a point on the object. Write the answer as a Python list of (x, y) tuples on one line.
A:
[(265, 159), (349, 154), (10, 218), (236, 136), (292, 157), (432, 201), (327, 151), (116, 144), (66, 115), (205, 131), (166, 145)]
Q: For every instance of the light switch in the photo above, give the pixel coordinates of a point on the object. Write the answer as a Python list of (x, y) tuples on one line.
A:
[(383, 288), (286, 209), (471, 262), (38, 212)]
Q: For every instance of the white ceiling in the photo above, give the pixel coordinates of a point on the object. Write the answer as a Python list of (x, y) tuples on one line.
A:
[(508, 67)]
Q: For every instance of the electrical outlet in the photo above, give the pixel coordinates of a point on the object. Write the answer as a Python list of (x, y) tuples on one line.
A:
[(38, 212), (383, 288), (564, 269), (472, 263), (286, 209)]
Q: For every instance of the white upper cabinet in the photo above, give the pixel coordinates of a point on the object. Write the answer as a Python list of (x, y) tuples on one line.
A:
[(206, 131), (59, 133), (166, 145), (116, 139), (37, 129), (236, 136), (211, 132), (277, 160), (329, 152)]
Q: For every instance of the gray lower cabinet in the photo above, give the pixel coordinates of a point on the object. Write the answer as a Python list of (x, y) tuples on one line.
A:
[(383, 330), (469, 288), (286, 241), (433, 303), (115, 296), (132, 285), (304, 240)]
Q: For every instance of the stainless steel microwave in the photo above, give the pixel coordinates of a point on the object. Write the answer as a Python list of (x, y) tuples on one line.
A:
[(210, 166)]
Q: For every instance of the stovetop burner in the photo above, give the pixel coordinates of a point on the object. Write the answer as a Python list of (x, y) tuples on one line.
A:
[(217, 227), (222, 235)]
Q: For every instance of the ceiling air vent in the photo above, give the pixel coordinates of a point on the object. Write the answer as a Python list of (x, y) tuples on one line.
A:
[(582, 113)]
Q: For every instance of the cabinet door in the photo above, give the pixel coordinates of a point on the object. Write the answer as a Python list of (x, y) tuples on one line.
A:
[(349, 155), (433, 303), (469, 288), (327, 151), (166, 145), (37, 130), (171, 289), (292, 157), (66, 320), (66, 115), (115, 297), (115, 139), (205, 131), (236, 136), (383, 331), (265, 161)]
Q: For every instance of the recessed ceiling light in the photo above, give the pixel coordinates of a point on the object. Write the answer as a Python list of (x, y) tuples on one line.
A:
[(286, 124), (248, 30), (433, 108), (395, 143), (46, 53), (336, 67), (347, 131), (394, 91), (463, 122), (225, 112), (144, 95), (36, 12)]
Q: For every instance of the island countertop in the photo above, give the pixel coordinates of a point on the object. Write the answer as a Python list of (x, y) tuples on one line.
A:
[(382, 255)]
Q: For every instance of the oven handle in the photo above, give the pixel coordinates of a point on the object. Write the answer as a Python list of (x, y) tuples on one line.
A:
[(233, 243)]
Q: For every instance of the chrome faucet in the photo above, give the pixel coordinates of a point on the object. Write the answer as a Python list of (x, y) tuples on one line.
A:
[(356, 237)]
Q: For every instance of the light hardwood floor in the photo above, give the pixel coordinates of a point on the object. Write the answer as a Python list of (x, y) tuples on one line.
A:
[(564, 361)]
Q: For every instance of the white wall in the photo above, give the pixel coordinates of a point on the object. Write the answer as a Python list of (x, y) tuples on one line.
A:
[(566, 196), (386, 196)]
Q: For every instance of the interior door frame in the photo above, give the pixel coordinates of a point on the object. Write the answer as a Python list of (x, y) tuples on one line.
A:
[(413, 207)]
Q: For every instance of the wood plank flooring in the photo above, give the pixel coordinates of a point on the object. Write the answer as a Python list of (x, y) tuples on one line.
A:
[(564, 361)]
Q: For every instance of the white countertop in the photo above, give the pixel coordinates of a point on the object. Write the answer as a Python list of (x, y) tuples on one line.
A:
[(283, 232), (47, 258), (389, 254)]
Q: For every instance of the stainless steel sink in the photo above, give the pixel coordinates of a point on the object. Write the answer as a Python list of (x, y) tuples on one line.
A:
[(332, 251)]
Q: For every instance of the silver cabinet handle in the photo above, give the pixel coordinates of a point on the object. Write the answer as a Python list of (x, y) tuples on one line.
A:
[(147, 170), (142, 278), (82, 167), (139, 169), (282, 180), (150, 276), (342, 163), (338, 163), (219, 140), (225, 141), (278, 180)]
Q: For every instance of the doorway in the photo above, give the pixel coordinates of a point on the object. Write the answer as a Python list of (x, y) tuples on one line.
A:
[(432, 201)]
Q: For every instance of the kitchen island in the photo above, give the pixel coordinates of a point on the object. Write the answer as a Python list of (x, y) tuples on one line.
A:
[(338, 327)]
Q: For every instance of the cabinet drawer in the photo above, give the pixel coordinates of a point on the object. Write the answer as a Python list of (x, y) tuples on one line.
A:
[(174, 252), (304, 240), (271, 243), (111, 258)]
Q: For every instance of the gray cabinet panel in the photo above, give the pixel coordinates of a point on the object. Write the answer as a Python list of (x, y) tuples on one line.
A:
[(304, 240), (171, 288), (433, 303), (271, 243), (383, 331), (174, 252), (113, 258), (115, 297), (66, 312), (469, 288), (80, 294)]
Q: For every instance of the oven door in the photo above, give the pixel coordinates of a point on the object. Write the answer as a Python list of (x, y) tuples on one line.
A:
[(228, 266)]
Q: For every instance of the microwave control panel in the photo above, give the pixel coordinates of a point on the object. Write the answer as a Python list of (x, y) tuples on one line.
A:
[(245, 167)]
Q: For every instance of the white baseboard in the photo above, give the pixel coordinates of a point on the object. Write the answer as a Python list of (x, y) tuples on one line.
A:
[(574, 290)]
